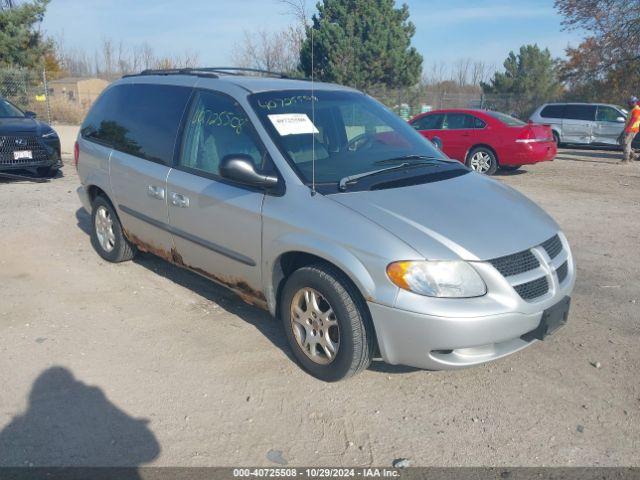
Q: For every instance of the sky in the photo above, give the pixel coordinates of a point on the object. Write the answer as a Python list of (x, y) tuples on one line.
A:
[(446, 30)]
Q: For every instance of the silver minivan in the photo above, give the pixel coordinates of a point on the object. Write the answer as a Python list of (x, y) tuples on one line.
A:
[(594, 124), (318, 204)]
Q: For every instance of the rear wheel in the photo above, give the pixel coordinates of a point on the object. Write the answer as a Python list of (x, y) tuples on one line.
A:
[(327, 323), (556, 138), (482, 160), (107, 237)]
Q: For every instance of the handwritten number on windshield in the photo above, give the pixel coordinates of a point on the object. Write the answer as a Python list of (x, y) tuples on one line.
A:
[(286, 101)]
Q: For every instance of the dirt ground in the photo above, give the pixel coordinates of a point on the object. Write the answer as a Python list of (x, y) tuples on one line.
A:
[(145, 363)]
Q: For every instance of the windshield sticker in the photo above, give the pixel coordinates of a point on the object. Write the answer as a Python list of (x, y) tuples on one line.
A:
[(272, 104), (293, 124), (220, 119)]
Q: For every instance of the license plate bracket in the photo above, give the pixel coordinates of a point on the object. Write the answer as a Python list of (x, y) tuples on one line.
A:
[(553, 318)]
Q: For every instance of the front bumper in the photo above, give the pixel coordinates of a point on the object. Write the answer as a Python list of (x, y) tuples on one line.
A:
[(439, 334), (44, 152), (441, 343)]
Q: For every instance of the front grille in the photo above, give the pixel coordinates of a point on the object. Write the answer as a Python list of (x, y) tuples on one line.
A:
[(515, 264), (534, 289), (562, 272), (12, 143), (553, 246), (526, 261)]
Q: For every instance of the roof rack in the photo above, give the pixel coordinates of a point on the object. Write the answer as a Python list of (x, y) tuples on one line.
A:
[(210, 72), (243, 70)]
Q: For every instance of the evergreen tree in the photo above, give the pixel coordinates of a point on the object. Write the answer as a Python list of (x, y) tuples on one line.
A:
[(361, 43), (531, 73), (21, 43)]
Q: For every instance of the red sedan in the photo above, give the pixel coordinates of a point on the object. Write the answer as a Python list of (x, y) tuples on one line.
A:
[(486, 140)]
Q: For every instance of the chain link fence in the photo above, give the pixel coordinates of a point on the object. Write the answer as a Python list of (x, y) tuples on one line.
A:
[(27, 89), (65, 101)]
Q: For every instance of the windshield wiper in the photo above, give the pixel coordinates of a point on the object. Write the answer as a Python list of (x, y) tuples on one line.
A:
[(405, 158), (342, 185)]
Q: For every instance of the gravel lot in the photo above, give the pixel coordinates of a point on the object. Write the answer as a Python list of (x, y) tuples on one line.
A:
[(145, 363)]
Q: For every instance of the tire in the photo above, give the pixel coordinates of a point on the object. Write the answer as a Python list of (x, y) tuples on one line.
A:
[(510, 168), (355, 335), (48, 172), (556, 138), (120, 249), (487, 156)]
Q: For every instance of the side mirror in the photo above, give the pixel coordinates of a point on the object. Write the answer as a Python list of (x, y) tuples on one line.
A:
[(30, 114), (621, 119), (239, 168)]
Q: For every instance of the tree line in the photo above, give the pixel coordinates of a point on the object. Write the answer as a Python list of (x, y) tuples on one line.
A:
[(367, 44)]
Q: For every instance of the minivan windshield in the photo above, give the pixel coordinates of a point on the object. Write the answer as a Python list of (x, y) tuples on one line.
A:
[(7, 110), (348, 133)]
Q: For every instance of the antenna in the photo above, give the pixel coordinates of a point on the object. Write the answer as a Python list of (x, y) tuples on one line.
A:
[(313, 120)]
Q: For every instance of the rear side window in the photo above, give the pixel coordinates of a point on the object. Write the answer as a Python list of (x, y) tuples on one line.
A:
[(552, 111), (457, 121), (429, 122), (580, 112), (478, 123), (139, 119)]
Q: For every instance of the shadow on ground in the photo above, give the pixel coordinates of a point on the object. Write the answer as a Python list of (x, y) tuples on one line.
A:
[(23, 176), (509, 173), (68, 423), (590, 155)]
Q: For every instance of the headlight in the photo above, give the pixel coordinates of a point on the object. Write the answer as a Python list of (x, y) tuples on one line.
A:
[(49, 134), (455, 279)]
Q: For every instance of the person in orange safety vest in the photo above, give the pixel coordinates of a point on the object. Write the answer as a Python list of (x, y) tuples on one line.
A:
[(631, 128)]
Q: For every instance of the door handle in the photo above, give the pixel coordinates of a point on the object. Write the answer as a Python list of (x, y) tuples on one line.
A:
[(155, 192), (179, 200)]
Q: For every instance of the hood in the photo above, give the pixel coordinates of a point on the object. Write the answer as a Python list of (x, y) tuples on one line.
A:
[(470, 217), (10, 126)]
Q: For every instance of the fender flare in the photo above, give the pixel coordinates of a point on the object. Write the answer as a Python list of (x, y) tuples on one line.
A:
[(329, 252)]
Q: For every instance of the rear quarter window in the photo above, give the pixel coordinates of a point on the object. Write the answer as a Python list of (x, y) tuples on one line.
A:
[(552, 111), (138, 119)]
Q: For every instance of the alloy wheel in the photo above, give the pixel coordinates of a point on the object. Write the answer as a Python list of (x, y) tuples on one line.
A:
[(481, 162), (315, 326), (104, 229)]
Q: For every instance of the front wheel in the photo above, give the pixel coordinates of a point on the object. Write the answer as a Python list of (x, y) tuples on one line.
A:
[(482, 160), (327, 323)]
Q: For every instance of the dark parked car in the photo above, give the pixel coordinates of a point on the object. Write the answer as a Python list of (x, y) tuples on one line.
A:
[(26, 143)]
